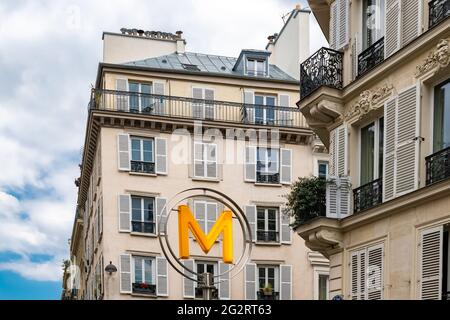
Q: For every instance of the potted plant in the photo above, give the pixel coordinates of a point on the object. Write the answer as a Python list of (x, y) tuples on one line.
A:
[(268, 290)]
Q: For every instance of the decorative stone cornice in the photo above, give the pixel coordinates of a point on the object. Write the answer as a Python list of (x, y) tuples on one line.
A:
[(368, 100), (437, 59)]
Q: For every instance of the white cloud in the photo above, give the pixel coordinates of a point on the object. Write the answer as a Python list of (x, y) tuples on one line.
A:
[(43, 271)]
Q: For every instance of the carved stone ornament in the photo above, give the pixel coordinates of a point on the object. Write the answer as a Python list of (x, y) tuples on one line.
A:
[(368, 100), (437, 59)]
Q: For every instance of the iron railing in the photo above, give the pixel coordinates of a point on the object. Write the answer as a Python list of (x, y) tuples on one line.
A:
[(196, 109), (371, 57), (368, 195), (142, 166), (323, 68), (264, 177), (143, 226), (267, 236), (439, 10), (144, 288), (267, 295), (438, 166)]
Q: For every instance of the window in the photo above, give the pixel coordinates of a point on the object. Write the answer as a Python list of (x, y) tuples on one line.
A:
[(322, 169), (323, 286), (144, 275), (441, 125), (373, 21), (256, 67), (268, 283), (267, 225), (205, 160), (264, 109), (203, 109), (205, 214), (267, 166), (139, 99), (204, 267), (142, 155), (143, 215), (371, 151)]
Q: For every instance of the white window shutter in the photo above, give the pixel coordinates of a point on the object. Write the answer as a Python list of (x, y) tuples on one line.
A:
[(250, 213), (375, 272), (392, 27), (390, 128), (341, 151), (161, 155), (188, 285), (286, 166), (211, 215), (344, 23), (285, 282), (200, 214), (333, 37), (356, 50), (411, 17), (162, 283), (197, 107), (159, 104), (354, 275), (161, 211), (125, 273), (430, 262), (211, 164), (123, 151), (345, 194), (209, 106), (224, 284), (251, 281), (407, 142), (286, 232), (332, 198), (332, 153), (249, 101), (124, 213), (199, 161), (122, 99), (250, 164), (338, 197)]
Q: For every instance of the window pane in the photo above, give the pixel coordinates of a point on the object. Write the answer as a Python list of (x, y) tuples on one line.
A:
[(148, 150), (441, 135), (138, 270), (273, 160), (261, 224), (260, 66), (323, 281), (259, 100), (148, 209), (134, 98), (136, 209), (136, 149), (270, 101), (200, 268), (148, 271), (323, 169), (367, 153), (210, 268)]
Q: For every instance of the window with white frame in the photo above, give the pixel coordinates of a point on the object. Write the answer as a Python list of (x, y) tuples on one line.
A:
[(371, 151), (268, 282), (143, 215), (201, 268), (205, 160), (140, 101), (144, 275), (256, 67), (142, 155), (205, 214), (267, 166), (373, 21), (264, 109), (322, 169), (203, 109), (267, 224)]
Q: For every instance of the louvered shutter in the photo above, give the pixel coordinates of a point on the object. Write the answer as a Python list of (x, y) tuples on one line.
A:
[(250, 164), (125, 273), (286, 166), (283, 115), (392, 25), (250, 281), (122, 98), (197, 106), (250, 214), (209, 104), (249, 101), (124, 213), (99, 164), (332, 153), (344, 23), (390, 120), (332, 198), (161, 155), (356, 50), (333, 25), (224, 284), (338, 197), (123, 151), (162, 283), (430, 263), (100, 223), (354, 275), (161, 212), (362, 266), (344, 196), (200, 214), (285, 282), (160, 103), (188, 285), (211, 163), (286, 233), (411, 20), (407, 145), (341, 151), (375, 272), (199, 162)]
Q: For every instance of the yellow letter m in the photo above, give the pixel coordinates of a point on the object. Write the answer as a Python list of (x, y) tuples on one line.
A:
[(224, 225)]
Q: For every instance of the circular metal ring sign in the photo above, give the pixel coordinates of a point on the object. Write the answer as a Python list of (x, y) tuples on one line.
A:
[(187, 223)]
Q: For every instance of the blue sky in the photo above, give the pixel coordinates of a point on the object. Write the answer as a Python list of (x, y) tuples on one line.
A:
[(49, 52)]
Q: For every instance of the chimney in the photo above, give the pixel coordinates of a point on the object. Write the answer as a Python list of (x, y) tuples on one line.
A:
[(181, 43)]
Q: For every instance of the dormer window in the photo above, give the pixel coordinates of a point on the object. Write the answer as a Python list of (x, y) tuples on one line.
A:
[(256, 67)]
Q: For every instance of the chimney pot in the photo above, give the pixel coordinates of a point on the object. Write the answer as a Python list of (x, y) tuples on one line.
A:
[(298, 6), (179, 33)]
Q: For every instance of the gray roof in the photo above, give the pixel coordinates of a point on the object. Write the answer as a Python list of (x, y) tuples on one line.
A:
[(206, 63)]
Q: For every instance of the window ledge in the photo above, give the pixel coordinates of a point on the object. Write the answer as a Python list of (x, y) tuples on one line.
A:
[(261, 184), (262, 243), (153, 296), (143, 174), (216, 180), (142, 234)]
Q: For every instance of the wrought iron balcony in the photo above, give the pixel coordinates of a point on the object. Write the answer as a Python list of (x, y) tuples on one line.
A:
[(323, 68), (267, 236), (371, 57), (267, 295), (144, 288), (439, 10), (438, 166), (196, 109), (368, 195), (265, 177), (142, 166), (143, 226)]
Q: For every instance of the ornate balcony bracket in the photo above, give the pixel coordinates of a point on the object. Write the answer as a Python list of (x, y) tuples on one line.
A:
[(322, 235), (437, 60)]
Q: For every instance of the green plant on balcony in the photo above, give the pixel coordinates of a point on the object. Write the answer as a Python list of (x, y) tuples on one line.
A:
[(267, 290), (307, 199)]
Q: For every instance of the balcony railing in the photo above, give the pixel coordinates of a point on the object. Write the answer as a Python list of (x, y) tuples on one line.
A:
[(196, 109), (438, 166), (144, 288), (267, 295), (142, 166), (439, 10), (143, 226), (264, 177), (323, 68), (267, 236), (371, 57), (199, 293), (368, 195)]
